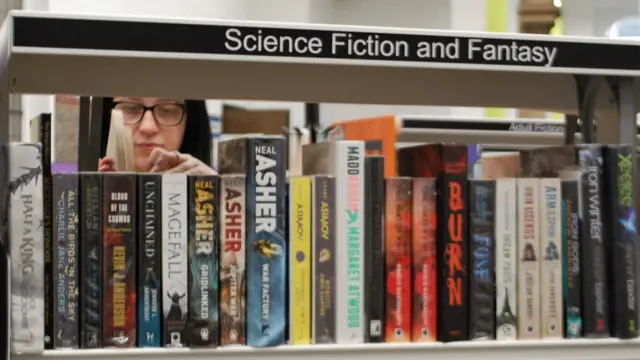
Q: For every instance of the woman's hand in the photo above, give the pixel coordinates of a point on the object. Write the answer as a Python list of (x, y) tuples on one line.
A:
[(163, 161), (106, 164)]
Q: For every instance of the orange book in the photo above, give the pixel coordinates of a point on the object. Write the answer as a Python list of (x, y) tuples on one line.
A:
[(398, 259), (425, 282), (379, 133)]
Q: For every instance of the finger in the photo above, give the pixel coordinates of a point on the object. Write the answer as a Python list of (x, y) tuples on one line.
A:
[(184, 167), (163, 160), (201, 169)]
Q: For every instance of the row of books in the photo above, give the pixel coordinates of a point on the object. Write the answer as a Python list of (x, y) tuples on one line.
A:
[(170, 260)]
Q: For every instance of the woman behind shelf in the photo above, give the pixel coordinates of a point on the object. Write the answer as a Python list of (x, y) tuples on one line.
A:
[(169, 135)]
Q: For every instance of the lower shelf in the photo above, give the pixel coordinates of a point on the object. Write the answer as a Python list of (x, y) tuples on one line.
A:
[(584, 349)]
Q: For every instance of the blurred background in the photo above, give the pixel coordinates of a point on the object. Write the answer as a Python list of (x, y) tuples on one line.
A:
[(568, 17)]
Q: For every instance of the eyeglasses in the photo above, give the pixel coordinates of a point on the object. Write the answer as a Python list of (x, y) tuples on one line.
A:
[(168, 114)]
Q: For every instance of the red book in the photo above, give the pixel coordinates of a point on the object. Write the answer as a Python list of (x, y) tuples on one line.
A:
[(398, 259)]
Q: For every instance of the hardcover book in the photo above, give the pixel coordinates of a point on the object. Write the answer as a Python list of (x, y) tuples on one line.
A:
[(482, 301), (424, 253), (66, 261), (175, 264), (233, 275), (375, 287), (203, 260), (323, 279), (119, 259), (24, 216), (149, 260), (506, 258), (91, 260), (398, 259)]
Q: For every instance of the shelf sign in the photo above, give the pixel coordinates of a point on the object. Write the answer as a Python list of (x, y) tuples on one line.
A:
[(323, 43)]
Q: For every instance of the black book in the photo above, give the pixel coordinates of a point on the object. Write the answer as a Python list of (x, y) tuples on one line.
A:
[(482, 260), (374, 287), (621, 245), (66, 261), (595, 287), (571, 263), (91, 260), (149, 260)]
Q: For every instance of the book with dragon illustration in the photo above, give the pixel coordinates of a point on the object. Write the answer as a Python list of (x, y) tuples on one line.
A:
[(424, 253), (375, 287), (300, 260), (91, 260), (620, 205), (119, 260), (66, 261), (506, 259), (149, 260), (232, 260), (175, 264), (528, 200), (24, 221), (551, 306), (203, 203), (41, 132), (572, 281), (397, 254), (482, 301), (263, 160), (323, 242), (344, 159)]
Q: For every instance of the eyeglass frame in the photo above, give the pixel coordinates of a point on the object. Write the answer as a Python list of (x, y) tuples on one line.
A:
[(151, 108)]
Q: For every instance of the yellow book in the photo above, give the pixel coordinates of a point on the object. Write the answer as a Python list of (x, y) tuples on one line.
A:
[(300, 260)]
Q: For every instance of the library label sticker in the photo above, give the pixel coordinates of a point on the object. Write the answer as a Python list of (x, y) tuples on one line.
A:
[(307, 42)]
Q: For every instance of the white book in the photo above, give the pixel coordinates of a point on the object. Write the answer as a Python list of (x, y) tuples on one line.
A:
[(551, 280), (175, 265), (528, 259), (506, 259), (26, 237)]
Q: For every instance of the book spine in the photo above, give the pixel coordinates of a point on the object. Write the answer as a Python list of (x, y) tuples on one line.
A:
[(622, 247), (454, 296), (324, 255), (66, 261), (595, 306), (233, 266), (119, 260), (150, 260), (482, 322), (300, 260), (47, 227), (26, 251), (375, 287), (266, 259), (91, 260), (175, 265), (528, 252), (425, 283), (506, 259), (571, 254), (398, 259), (203, 260), (349, 172), (551, 307)]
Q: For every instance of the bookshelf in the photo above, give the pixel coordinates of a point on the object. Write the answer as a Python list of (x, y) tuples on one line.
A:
[(104, 56)]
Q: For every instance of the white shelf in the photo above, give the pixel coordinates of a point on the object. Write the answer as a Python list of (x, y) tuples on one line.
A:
[(106, 55), (605, 349)]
